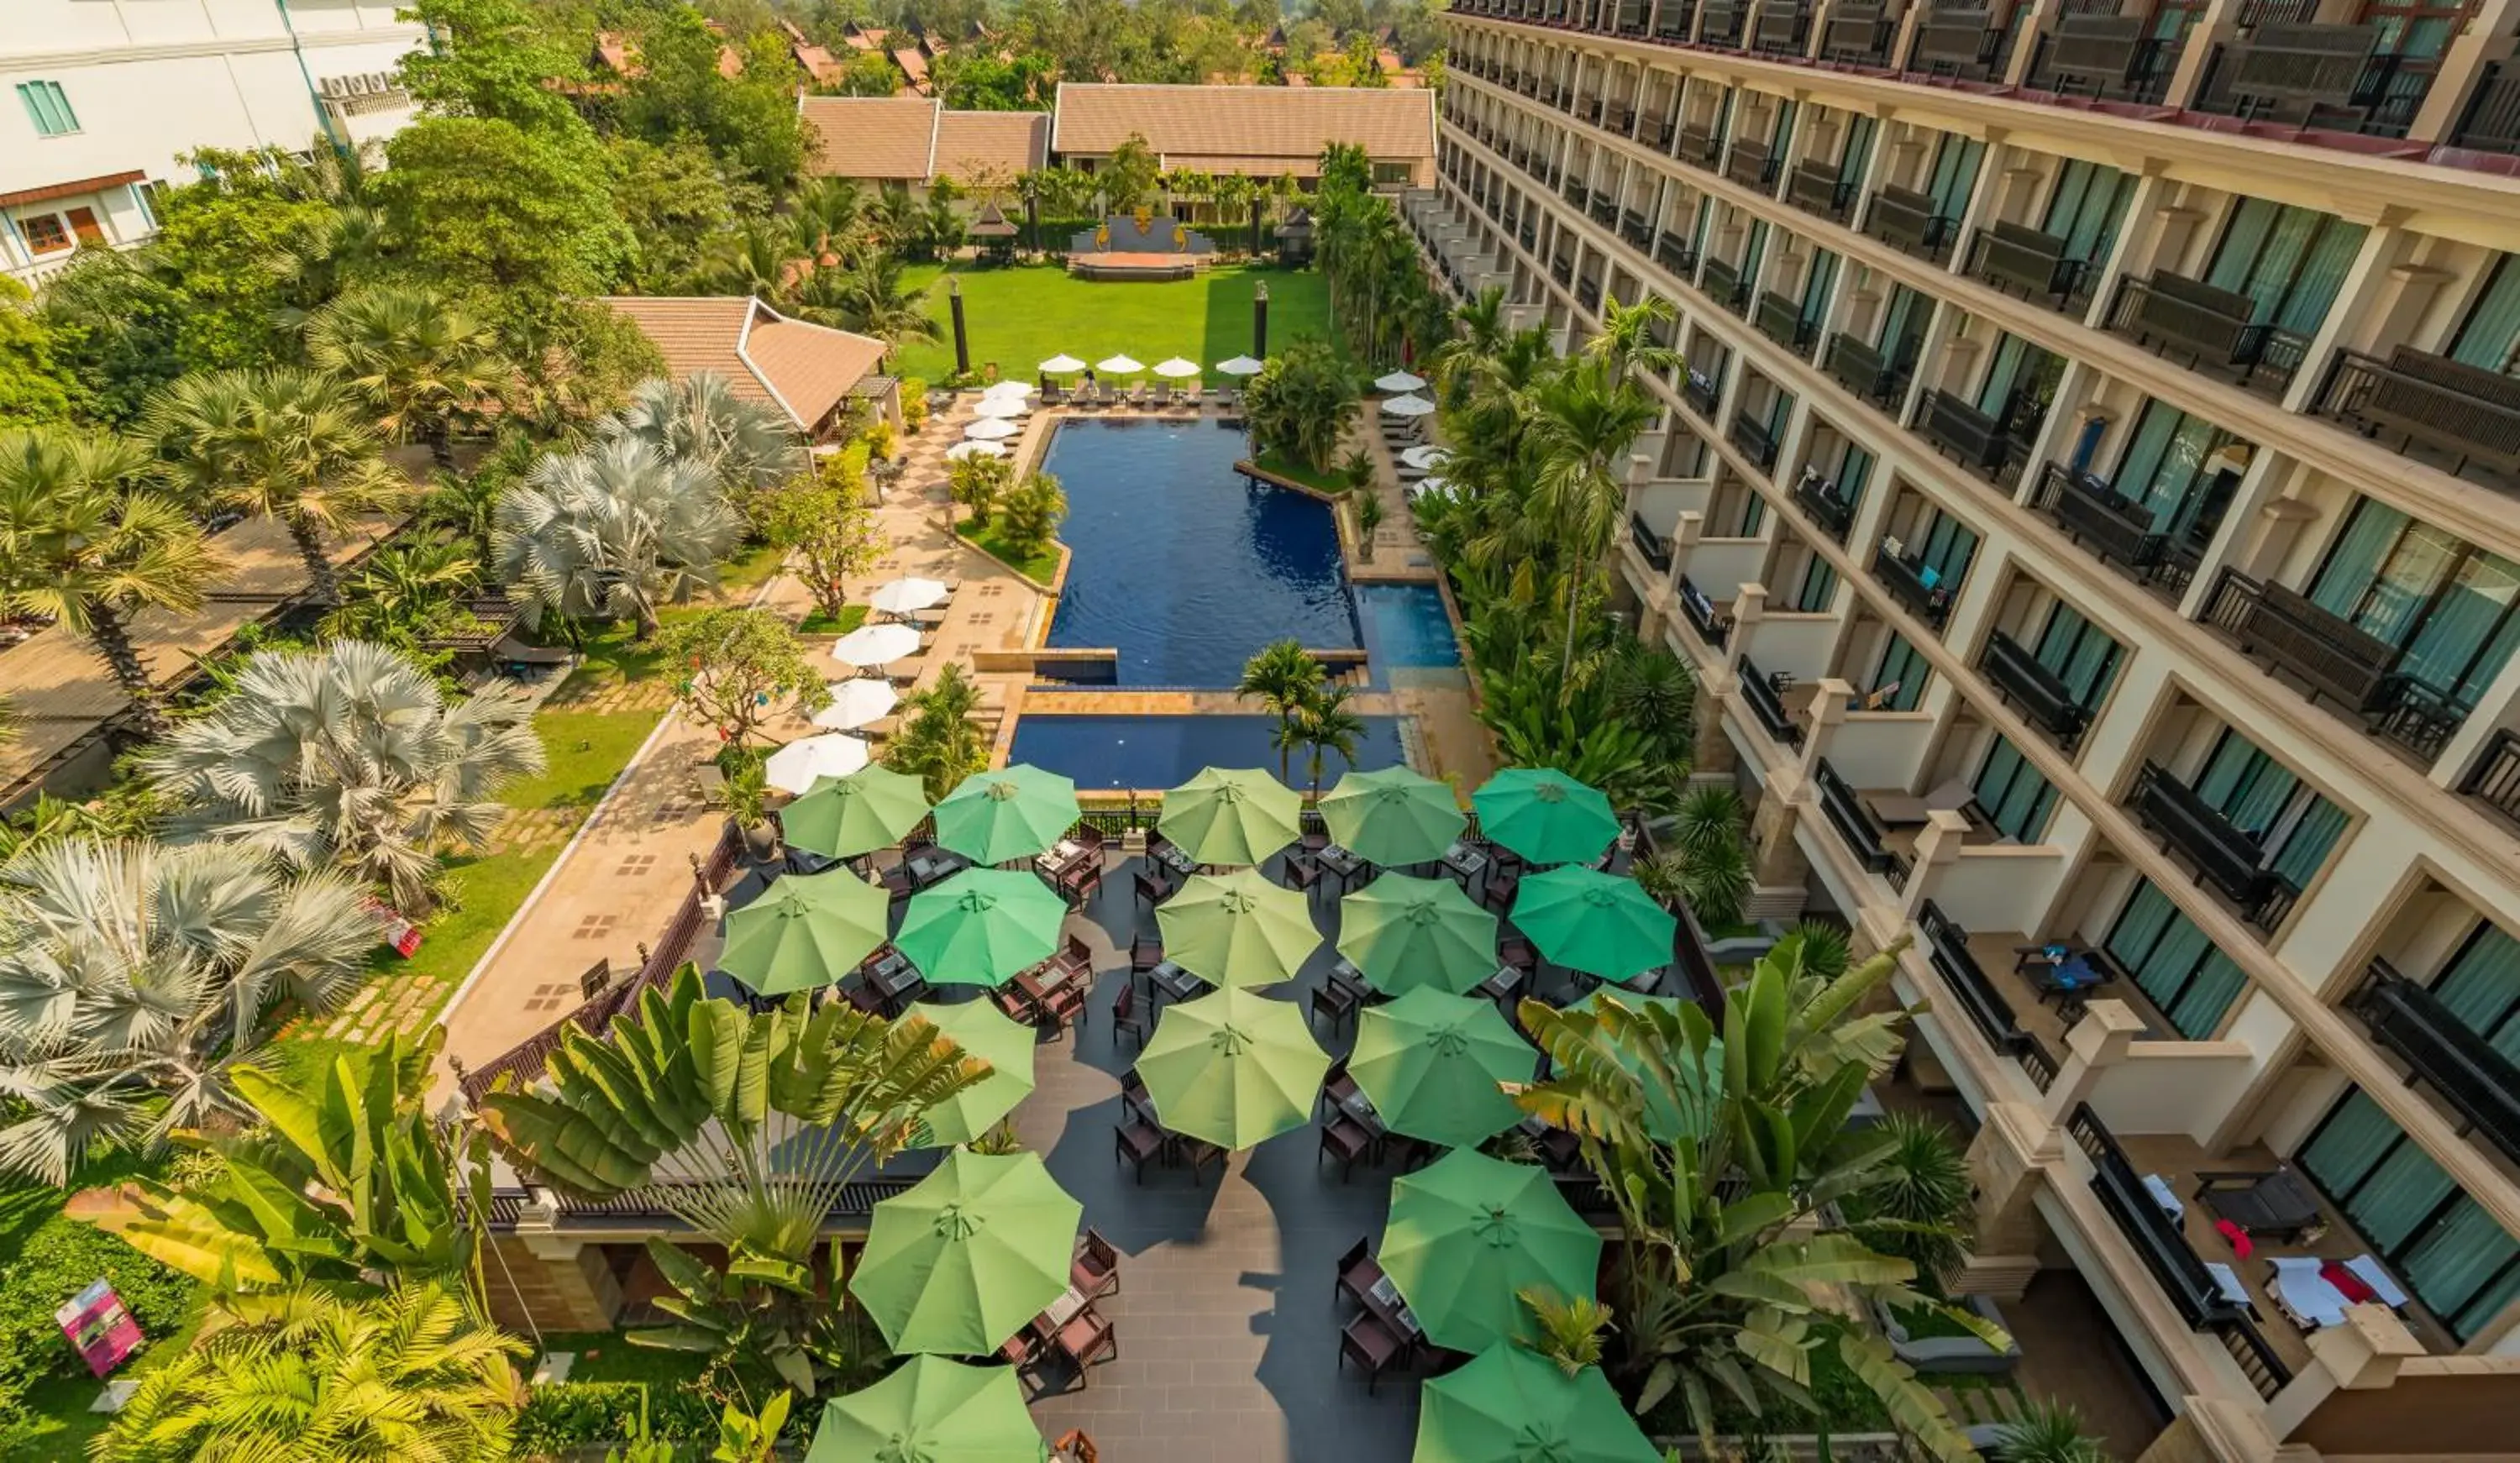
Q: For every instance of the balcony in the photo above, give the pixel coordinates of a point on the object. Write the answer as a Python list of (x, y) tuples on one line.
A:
[(2491, 121), (1779, 318), (1782, 31), (1863, 837), (2211, 326), (1563, 272), (2033, 689), (1713, 627), (1766, 700), (2117, 531), (1604, 208), (2444, 1053), (2331, 657), (1672, 25), (1954, 42), (1636, 231), (1588, 293), (1754, 439), (2334, 78), (2108, 58), (1970, 437), (1654, 546), (1819, 499), (1721, 281), (1947, 948), (1701, 147), (1907, 221), (1673, 253), (2462, 418), (1923, 591), (1722, 28), (2224, 856), (1817, 189), (2024, 261), (1858, 35), (1752, 166), (1860, 368), (1703, 391), (2494, 781)]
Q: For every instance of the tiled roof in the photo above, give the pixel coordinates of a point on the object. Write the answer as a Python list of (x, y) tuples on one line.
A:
[(913, 65), (1243, 121), (969, 144), (812, 365), (805, 370), (881, 138)]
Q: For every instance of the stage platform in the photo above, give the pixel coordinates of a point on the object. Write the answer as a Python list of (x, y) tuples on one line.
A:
[(1119, 266)]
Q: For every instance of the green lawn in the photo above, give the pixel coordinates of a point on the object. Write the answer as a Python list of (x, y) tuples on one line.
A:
[(1040, 567), (1021, 316), (1332, 483)]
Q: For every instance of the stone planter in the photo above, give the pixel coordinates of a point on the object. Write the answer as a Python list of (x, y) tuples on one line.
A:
[(1951, 1353), (1743, 950)]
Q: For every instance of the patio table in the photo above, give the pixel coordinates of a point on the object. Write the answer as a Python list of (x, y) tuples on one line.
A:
[(1346, 976), (1060, 1313), (1467, 861), (929, 865), (1061, 857), (1506, 980), (1359, 1106), (888, 971), (1171, 980), (1342, 862), (1171, 856), (1382, 1301)]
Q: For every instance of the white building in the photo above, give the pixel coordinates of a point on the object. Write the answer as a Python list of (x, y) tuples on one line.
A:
[(99, 99)]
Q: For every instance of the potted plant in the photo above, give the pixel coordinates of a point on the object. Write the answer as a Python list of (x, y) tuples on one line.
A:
[(747, 802)]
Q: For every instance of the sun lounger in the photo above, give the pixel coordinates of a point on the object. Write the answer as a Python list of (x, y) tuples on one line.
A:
[(1162, 398), (2303, 1294)]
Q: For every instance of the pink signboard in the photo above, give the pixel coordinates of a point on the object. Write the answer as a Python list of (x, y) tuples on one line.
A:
[(96, 1324)]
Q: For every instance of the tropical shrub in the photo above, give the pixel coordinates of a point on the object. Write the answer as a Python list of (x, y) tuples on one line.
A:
[(1032, 514), (59, 1259), (611, 533), (941, 744), (977, 482), (822, 517), (736, 667), (1302, 402)]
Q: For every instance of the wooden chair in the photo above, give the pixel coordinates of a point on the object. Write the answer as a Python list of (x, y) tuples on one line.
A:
[(1138, 1143), (1357, 1273), (1015, 1004), (1073, 1446), (1302, 875), (1345, 1139), (1095, 1272), (1150, 891), (1335, 1003), (1086, 1339), (1076, 956), (1370, 1344), (1126, 1017), (1200, 1154), (1066, 1005), (898, 885), (1336, 1086), (1146, 952)]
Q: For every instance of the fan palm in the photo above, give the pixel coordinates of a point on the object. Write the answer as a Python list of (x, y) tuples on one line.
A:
[(406, 1376), (866, 294), (133, 975), (348, 755), (745, 445), (417, 358), (1282, 676), (404, 588), (291, 444), (613, 531), (79, 544)]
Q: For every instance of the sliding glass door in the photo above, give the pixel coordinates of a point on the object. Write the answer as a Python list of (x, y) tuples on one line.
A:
[(2441, 1243)]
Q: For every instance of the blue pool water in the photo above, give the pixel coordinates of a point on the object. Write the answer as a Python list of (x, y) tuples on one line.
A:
[(1154, 752), (1405, 626), (1181, 565)]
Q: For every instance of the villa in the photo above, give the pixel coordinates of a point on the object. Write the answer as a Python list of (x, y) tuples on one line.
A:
[(806, 370), (916, 141)]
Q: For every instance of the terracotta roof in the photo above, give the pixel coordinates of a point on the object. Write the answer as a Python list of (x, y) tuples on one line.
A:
[(804, 370), (877, 138), (913, 66), (864, 37), (971, 143), (1243, 121)]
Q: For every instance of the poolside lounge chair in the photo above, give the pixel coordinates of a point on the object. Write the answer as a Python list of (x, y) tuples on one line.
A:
[(1138, 395), (1162, 399), (2274, 1204)]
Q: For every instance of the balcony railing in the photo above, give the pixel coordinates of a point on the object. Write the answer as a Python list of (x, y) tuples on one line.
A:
[(1819, 499), (1815, 188), (1588, 293), (2041, 696), (2106, 57), (1752, 165), (1768, 707), (1779, 318), (1957, 41), (1782, 30), (2119, 531), (2495, 779), (2225, 856), (2212, 325), (1673, 253), (2491, 121), (2445, 1053), (1703, 390), (1860, 368), (1713, 627), (1970, 437), (1722, 27), (1604, 208), (1636, 230), (1699, 146), (1925, 592), (1907, 221), (1654, 546), (2464, 416), (1947, 949), (2332, 658), (1855, 826), (2331, 77), (1755, 440), (2026, 262), (1858, 35)]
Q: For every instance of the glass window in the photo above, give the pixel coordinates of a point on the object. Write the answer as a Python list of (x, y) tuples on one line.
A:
[(1817, 286), (1818, 587), (2164, 462), (1955, 175), (2187, 977), (1903, 327), (45, 233), (2481, 986), (2084, 210), (1899, 680), (2020, 380), (2291, 261), (2446, 604), (48, 108), (2017, 800), (2490, 337), (1942, 552), (2263, 799), (1858, 147), (2446, 1249), (2077, 653)]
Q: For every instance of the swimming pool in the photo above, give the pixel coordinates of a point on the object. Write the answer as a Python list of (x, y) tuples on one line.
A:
[(1406, 627), (1183, 565), (1155, 752)]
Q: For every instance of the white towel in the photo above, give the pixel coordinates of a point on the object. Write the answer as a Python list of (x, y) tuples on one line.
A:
[(2159, 1188)]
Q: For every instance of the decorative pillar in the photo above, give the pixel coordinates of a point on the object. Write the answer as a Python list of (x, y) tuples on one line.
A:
[(1827, 713), (1779, 872), (2007, 1161), (2098, 1042), (1750, 607), (1713, 758), (1938, 847), (1260, 322), (961, 339), (2362, 1354)]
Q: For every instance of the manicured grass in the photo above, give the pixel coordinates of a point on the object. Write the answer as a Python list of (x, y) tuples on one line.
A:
[(608, 1356), (1285, 466), (1021, 316), (1040, 567), (851, 617)]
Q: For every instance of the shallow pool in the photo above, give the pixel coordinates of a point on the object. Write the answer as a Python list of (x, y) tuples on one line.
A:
[(1406, 627), (1155, 752), (1183, 565)]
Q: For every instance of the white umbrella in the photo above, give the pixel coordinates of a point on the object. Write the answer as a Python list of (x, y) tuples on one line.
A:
[(1239, 366), (1408, 406), (875, 645), (998, 428), (799, 764), (1061, 364), (1176, 367), (854, 703), (1001, 406), (1018, 390), (1425, 485), (904, 595), (962, 450), (1398, 380), (1424, 458), (1118, 366)]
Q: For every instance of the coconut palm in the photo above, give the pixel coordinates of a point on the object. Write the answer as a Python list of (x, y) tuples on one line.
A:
[(419, 359), (132, 975), (1280, 676), (611, 532), (941, 744), (1323, 725), (350, 756), (866, 294), (1627, 339), (762, 260), (1589, 415), (410, 1375), (745, 445), (294, 444), (79, 544), (404, 590)]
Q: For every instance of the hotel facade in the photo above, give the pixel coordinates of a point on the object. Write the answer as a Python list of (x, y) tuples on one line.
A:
[(2089, 503)]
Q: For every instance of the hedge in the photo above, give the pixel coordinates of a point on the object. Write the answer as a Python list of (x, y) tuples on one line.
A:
[(59, 1259), (561, 1415)]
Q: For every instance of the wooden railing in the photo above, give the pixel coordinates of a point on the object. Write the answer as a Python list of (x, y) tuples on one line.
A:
[(2120, 532), (1712, 625), (1767, 707), (1860, 368), (2495, 779), (1654, 546), (2444, 1052), (2211, 324), (1819, 499), (1855, 826), (2469, 415), (1755, 441), (1905, 582), (2225, 856)]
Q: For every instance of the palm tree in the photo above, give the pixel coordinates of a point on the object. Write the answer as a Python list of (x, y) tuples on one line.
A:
[(1324, 724), (830, 219), (82, 546), (292, 444), (409, 1375), (417, 358), (134, 975), (1280, 676), (348, 756), (940, 743), (762, 260), (866, 294), (405, 589), (745, 445), (611, 532), (1589, 415), (1627, 339), (2046, 1431)]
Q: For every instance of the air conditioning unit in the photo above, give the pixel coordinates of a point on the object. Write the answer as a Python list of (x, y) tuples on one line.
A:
[(334, 86)]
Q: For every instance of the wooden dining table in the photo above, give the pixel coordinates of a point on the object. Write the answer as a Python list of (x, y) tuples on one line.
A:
[(932, 865), (1169, 979), (1382, 1301), (1061, 859)]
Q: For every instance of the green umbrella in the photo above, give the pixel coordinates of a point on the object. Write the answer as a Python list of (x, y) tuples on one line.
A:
[(1237, 930), (1431, 1063), (981, 926), (808, 930), (1230, 816), (931, 1410), (845, 817), (1664, 1120), (1512, 1405), (1393, 815), (1546, 815), (1233, 1067), (1595, 923), (969, 1255), (1468, 1232), (1406, 933), (1012, 812), (982, 1030)]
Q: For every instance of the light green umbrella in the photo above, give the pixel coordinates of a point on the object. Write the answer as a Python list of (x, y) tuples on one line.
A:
[(1546, 815), (1393, 815), (982, 1030), (1431, 1063), (1408, 933), (931, 1410), (1468, 1232), (981, 926), (1012, 812), (1233, 1067), (845, 817), (969, 1255), (1699, 1083), (1230, 816), (1237, 930), (1511, 1404), (808, 930), (1595, 923)]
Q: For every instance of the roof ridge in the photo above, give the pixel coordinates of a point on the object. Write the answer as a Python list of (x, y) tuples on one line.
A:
[(935, 125)]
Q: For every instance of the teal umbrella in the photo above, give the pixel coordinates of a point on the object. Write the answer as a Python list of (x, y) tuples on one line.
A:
[(842, 818), (980, 927), (1012, 812), (1545, 815), (1393, 815), (1407, 933), (1468, 1233), (982, 1030), (1511, 1404), (808, 930), (1230, 816), (932, 1410), (1432, 1065), (1595, 923)]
